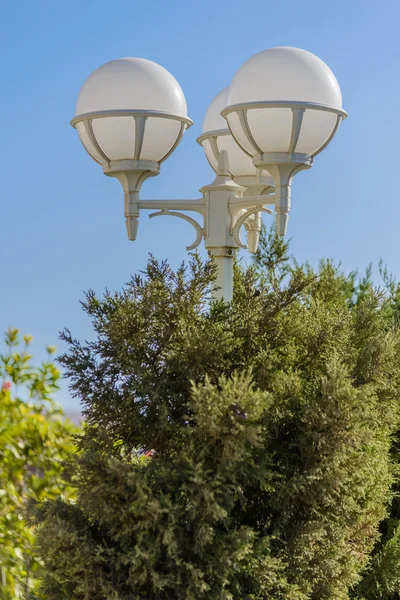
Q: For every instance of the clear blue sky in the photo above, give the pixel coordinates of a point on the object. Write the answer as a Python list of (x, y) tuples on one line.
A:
[(62, 226)]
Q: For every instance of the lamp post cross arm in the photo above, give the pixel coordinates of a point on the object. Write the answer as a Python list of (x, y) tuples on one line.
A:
[(167, 205)]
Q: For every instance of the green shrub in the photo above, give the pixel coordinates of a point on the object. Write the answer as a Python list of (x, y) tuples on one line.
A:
[(232, 451), (34, 440)]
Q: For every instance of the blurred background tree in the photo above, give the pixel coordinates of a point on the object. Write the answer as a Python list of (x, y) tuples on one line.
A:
[(35, 439)]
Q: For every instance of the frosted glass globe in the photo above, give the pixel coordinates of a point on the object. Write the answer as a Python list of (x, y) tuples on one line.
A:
[(240, 164), (213, 121), (289, 75), (131, 84)]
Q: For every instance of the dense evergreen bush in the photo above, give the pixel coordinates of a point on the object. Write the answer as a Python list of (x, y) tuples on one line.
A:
[(242, 451)]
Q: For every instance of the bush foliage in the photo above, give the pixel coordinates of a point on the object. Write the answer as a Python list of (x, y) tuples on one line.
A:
[(233, 451)]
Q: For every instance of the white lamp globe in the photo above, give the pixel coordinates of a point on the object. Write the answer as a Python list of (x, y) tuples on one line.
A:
[(216, 137), (284, 100), (130, 109)]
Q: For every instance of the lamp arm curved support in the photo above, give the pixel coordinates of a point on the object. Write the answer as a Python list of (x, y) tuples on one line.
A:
[(195, 224), (237, 204), (241, 220)]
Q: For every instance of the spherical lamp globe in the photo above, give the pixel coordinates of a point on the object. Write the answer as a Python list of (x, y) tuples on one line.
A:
[(273, 86), (130, 109), (284, 107), (131, 115), (216, 137)]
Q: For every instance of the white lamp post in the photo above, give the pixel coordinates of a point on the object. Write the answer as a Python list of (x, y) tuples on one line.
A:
[(282, 108)]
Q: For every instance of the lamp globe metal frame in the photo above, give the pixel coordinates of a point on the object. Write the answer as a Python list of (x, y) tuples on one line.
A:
[(282, 108)]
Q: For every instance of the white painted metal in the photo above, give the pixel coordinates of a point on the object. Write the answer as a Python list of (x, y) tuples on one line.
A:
[(224, 283), (223, 207)]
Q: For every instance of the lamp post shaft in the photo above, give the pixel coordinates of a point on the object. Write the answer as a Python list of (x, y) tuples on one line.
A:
[(224, 258), (218, 238)]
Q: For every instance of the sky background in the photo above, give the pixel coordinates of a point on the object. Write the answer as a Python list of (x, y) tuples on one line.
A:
[(62, 225)]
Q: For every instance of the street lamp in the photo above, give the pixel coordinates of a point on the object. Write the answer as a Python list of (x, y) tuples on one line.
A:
[(282, 108)]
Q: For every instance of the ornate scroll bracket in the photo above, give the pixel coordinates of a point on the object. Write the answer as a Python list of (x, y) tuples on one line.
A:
[(199, 230), (241, 221)]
